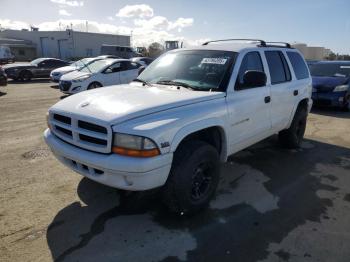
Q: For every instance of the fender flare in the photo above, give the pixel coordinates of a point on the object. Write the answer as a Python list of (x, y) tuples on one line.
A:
[(309, 105), (200, 125)]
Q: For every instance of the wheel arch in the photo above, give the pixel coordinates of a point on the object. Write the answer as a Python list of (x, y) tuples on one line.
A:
[(97, 82), (303, 103), (212, 132)]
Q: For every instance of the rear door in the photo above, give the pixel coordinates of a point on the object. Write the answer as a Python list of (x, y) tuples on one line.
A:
[(249, 108), (281, 88)]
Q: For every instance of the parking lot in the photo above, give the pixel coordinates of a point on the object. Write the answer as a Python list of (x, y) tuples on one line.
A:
[(273, 204)]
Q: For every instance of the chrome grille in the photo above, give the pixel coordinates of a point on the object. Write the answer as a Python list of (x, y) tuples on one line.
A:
[(81, 132)]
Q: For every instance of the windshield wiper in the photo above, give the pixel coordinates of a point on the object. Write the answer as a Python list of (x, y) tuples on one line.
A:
[(145, 83), (176, 83)]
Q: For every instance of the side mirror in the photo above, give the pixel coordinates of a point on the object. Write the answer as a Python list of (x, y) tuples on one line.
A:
[(254, 79)]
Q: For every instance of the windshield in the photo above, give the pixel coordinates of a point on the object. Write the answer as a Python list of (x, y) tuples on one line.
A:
[(82, 62), (331, 69), (200, 69), (95, 66), (37, 61)]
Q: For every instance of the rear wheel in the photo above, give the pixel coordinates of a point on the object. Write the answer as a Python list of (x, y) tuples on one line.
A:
[(193, 178), (26, 76), (293, 136), (94, 85)]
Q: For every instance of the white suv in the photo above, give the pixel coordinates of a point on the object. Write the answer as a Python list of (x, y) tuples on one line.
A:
[(187, 112)]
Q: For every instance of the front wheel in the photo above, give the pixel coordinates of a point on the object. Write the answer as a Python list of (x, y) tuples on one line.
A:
[(193, 178), (293, 136), (94, 85)]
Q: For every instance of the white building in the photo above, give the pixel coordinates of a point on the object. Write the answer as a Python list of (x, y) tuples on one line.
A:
[(312, 52), (66, 44)]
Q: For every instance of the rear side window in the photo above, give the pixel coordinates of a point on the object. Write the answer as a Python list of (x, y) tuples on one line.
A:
[(298, 65), (251, 61), (279, 70)]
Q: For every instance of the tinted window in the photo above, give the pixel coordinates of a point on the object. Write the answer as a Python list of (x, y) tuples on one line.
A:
[(114, 68), (130, 65), (251, 61), (278, 67), (298, 65)]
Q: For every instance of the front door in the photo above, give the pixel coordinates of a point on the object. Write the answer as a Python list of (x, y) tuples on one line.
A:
[(249, 108), (111, 75)]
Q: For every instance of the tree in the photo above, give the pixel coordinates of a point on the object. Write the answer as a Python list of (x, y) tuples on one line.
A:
[(155, 49)]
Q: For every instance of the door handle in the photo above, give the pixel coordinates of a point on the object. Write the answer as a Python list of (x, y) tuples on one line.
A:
[(296, 92), (267, 99)]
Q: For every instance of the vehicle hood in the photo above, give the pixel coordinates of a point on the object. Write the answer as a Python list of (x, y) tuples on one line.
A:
[(19, 66), (116, 104), (73, 75), (64, 70), (326, 83)]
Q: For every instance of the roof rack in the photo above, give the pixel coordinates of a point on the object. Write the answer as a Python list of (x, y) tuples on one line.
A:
[(283, 43), (262, 42)]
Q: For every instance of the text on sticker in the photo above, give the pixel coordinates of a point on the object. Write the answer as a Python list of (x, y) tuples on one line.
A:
[(211, 60)]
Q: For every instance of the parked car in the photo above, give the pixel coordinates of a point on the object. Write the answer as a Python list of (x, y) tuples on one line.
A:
[(120, 51), (56, 74), (37, 68), (331, 84), (6, 56), (188, 111), (3, 77), (99, 73), (144, 61)]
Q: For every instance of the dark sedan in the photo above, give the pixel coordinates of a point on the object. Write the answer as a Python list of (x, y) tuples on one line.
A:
[(3, 77), (331, 83), (37, 68)]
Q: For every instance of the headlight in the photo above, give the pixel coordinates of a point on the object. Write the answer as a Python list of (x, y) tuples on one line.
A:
[(341, 88), (136, 146), (80, 79), (48, 120)]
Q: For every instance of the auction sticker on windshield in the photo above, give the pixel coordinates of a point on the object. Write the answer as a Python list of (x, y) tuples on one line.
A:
[(211, 60)]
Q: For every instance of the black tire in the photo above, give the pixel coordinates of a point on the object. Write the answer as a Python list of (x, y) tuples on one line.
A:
[(26, 76), (346, 107), (293, 136), (94, 85), (193, 178)]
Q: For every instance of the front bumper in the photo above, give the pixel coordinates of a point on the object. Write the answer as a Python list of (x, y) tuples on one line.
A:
[(330, 99), (113, 170), (12, 74), (55, 79)]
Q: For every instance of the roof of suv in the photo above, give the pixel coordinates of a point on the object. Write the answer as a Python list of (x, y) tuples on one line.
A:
[(231, 45)]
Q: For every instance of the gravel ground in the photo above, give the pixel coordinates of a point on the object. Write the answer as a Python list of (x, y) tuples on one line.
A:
[(272, 204)]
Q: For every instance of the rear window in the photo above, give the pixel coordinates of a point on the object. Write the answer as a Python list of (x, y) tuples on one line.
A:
[(298, 65), (278, 67)]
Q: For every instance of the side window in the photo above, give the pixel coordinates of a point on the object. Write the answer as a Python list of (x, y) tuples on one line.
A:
[(278, 67), (298, 64), (44, 63), (129, 65), (251, 61), (113, 68)]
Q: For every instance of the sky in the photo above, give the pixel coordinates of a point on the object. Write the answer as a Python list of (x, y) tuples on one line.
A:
[(314, 22)]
